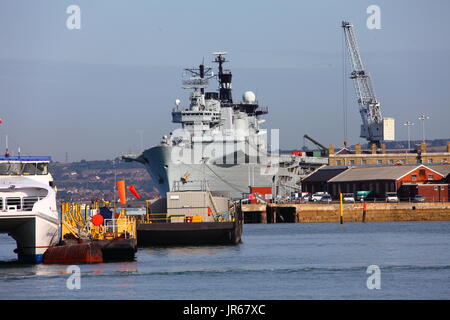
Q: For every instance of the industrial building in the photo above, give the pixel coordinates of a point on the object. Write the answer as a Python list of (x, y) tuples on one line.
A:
[(430, 181), (317, 181), (433, 191), (381, 179), (348, 157)]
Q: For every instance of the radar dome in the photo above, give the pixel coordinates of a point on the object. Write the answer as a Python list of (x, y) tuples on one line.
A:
[(177, 102), (249, 97)]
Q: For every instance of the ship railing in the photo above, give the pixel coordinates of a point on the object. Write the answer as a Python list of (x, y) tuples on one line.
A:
[(123, 227), (190, 185), (19, 204), (263, 110), (164, 218), (224, 216), (153, 218)]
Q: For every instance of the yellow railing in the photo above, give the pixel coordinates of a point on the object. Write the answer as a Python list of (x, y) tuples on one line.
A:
[(183, 217)]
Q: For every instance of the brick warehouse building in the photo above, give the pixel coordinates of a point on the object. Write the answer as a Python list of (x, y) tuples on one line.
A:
[(436, 191), (382, 179)]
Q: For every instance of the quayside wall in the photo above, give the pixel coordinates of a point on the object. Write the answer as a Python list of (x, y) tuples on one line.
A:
[(375, 212)]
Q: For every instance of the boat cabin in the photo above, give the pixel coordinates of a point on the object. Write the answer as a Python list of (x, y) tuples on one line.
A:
[(14, 197)]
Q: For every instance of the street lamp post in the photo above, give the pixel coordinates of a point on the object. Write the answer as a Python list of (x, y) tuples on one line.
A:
[(423, 117), (408, 124)]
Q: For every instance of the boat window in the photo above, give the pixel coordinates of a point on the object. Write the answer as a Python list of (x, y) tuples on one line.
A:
[(8, 168), (42, 168), (28, 203), (13, 202), (28, 169), (1, 203)]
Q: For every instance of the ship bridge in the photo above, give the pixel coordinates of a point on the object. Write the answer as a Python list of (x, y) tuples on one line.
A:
[(195, 116)]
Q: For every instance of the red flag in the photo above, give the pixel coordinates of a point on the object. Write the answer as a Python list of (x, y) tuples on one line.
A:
[(134, 192)]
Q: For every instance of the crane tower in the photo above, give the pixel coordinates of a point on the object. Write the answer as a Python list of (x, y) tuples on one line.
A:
[(374, 128)]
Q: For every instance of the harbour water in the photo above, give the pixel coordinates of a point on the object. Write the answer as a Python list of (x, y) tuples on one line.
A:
[(277, 261)]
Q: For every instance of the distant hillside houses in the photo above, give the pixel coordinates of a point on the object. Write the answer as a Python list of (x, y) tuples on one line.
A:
[(91, 180)]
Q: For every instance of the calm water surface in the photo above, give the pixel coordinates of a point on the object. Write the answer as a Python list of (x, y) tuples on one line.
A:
[(282, 261)]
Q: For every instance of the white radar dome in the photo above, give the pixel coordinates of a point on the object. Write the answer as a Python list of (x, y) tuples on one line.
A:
[(249, 97), (177, 102)]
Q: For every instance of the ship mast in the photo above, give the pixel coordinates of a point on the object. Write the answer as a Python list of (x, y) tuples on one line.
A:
[(224, 79), (197, 79)]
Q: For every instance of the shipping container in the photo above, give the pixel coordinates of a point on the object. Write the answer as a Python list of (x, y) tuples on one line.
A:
[(317, 153), (264, 192)]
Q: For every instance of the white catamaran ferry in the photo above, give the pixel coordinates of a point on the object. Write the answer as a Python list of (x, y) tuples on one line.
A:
[(28, 210)]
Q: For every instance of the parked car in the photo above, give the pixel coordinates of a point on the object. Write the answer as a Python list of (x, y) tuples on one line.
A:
[(418, 198), (305, 196), (348, 198), (317, 196), (391, 197), (364, 196), (326, 198)]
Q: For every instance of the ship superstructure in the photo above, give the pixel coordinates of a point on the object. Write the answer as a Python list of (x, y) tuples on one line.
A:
[(221, 145)]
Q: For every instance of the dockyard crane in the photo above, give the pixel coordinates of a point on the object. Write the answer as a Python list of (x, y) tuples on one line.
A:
[(322, 148), (374, 128)]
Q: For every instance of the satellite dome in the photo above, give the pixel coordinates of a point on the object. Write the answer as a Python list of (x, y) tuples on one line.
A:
[(177, 102), (249, 97)]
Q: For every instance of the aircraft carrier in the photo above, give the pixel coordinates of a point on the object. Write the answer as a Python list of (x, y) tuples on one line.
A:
[(221, 145)]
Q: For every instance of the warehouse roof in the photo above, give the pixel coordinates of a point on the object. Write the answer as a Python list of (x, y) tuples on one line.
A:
[(376, 173), (443, 169), (325, 173)]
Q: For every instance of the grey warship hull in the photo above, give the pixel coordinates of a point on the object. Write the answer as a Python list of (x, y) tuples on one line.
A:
[(230, 179)]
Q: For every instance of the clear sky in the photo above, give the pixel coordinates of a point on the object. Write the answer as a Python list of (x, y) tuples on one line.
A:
[(89, 92)]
